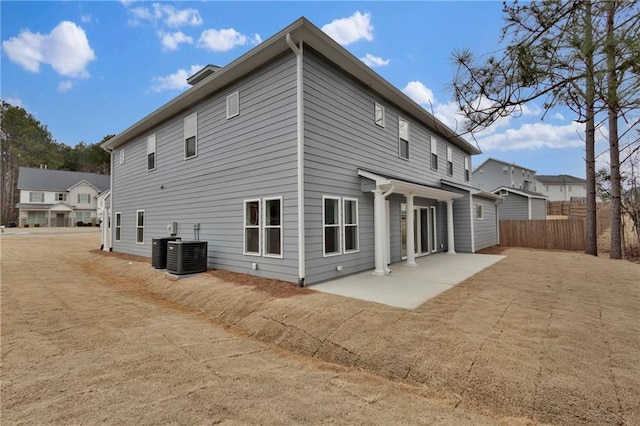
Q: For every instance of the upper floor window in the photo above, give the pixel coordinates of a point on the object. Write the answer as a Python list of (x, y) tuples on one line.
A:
[(36, 197), (122, 156), (505, 170), (151, 152), (467, 175), (61, 196), (191, 136), (403, 135), (449, 161), (379, 115), (273, 227), (479, 212), (233, 105), (434, 153), (84, 198), (546, 188), (569, 188)]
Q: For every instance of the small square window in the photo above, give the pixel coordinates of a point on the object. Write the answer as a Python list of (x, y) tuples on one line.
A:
[(233, 105), (379, 115)]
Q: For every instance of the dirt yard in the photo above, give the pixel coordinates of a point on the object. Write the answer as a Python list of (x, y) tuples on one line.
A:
[(550, 337)]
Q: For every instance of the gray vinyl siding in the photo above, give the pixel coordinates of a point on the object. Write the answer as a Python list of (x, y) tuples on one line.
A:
[(249, 156), (538, 208), (461, 220), (341, 137), (514, 206), (490, 176), (485, 231)]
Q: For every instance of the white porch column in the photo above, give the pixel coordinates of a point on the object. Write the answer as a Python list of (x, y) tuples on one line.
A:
[(378, 221), (411, 255), (450, 238)]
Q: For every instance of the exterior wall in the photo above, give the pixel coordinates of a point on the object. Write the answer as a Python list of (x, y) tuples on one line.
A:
[(514, 206), (491, 175), (538, 208), (485, 230), (49, 196), (340, 137), (562, 192), (461, 220), (72, 197), (250, 156)]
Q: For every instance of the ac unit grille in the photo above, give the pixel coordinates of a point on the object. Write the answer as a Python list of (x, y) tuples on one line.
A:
[(186, 257)]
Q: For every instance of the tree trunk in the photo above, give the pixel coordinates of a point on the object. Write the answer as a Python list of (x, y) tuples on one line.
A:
[(614, 150), (591, 234)]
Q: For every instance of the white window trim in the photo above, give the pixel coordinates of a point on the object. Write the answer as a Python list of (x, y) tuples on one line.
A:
[(449, 161), (324, 226), (401, 139), (375, 112), (116, 226), (434, 151), (244, 228), (231, 96), (151, 140), (344, 226), (265, 227), (481, 216), (122, 156), (144, 219), (185, 136)]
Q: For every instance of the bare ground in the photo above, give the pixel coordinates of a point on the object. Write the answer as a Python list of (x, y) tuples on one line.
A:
[(549, 337)]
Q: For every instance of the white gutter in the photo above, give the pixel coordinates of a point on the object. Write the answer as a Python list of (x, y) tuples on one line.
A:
[(300, 157)]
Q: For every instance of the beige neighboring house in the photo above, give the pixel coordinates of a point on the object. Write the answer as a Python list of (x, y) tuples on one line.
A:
[(562, 187), (59, 198)]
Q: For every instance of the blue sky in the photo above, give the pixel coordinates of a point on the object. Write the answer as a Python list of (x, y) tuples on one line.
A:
[(88, 69)]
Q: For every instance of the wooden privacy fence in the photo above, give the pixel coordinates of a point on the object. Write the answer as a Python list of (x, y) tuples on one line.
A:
[(564, 234)]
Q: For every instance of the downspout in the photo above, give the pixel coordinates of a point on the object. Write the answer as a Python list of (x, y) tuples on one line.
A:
[(298, 51)]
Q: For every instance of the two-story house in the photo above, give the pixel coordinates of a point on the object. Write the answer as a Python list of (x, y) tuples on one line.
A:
[(563, 187), (297, 161), (516, 184), (58, 197)]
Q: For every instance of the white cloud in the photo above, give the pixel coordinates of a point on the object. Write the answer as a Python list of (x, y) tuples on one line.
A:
[(171, 41), (127, 3), (535, 136), (349, 30), (66, 49), (558, 116), (171, 16), (175, 81), (222, 40), (86, 17), (65, 86), (17, 102), (420, 93), (257, 39), (374, 61)]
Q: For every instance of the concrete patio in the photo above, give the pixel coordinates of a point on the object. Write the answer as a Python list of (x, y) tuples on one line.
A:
[(409, 287)]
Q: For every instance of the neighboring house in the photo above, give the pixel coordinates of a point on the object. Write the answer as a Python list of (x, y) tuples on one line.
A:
[(563, 187), (296, 161), (58, 197), (493, 173), (521, 204)]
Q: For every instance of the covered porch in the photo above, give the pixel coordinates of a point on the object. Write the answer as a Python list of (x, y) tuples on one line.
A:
[(382, 187), (45, 215)]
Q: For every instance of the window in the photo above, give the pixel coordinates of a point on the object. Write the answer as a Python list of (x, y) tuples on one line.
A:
[(379, 115), (36, 197), (434, 154), (331, 225), (479, 212), (561, 189), (505, 170), (118, 226), (252, 227), (36, 217), (546, 188), (84, 217), (61, 196), (84, 198), (569, 188), (233, 105), (273, 227), (151, 152), (140, 227), (191, 136), (467, 175), (522, 172), (403, 135), (122, 156), (350, 215), (449, 161)]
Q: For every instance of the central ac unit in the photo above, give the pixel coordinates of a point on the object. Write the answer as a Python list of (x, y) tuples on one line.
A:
[(186, 257)]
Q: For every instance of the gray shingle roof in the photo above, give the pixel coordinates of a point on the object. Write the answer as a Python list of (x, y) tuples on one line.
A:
[(58, 180), (560, 179)]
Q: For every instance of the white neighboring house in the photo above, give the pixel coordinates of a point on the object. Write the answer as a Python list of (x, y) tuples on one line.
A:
[(562, 187), (59, 198)]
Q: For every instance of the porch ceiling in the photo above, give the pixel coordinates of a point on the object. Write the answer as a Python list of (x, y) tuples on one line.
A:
[(404, 187)]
